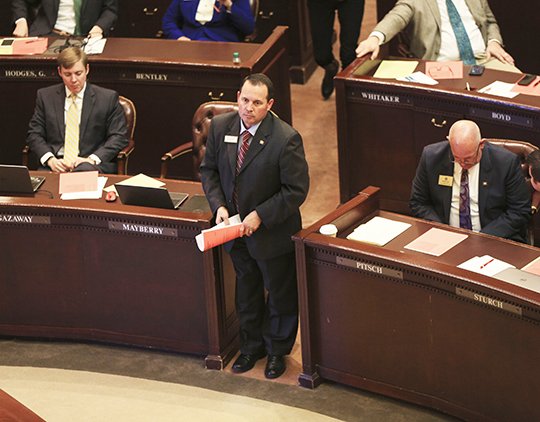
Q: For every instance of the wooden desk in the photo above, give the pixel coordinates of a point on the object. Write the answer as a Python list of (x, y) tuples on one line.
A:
[(92, 270), (415, 327), (167, 81), (383, 126)]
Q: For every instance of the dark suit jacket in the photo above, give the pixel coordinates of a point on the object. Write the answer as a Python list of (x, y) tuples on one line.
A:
[(273, 180), (503, 197), (103, 129), (102, 13)]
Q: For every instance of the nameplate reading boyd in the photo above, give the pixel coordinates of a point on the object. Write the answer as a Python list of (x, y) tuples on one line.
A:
[(495, 303), (370, 268), (500, 116), (142, 228), (24, 219)]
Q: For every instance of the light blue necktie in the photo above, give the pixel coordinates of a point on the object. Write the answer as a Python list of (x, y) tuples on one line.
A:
[(464, 43)]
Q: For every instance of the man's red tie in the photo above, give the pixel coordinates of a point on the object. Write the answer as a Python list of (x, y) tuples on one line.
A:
[(246, 136)]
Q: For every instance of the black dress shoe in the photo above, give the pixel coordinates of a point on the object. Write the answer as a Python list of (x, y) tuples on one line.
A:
[(275, 366), (327, 87), (245, 362)]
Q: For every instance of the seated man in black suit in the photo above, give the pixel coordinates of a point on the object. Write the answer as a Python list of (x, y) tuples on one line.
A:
[(77, 125), (467, 182), (64, 17)]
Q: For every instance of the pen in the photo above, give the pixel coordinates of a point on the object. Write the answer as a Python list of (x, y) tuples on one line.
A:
[(216, 9), (537, 82), (468, 86), (491, 260)]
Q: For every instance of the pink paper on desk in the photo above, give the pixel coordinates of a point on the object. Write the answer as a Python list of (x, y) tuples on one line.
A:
[(445, 70), (30, 46), (436, 241), (533, 266), (78, 181), (532, 89)]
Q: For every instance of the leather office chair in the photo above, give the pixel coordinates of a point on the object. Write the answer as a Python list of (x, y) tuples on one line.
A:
[(199, 129), (522, 150), (122, 158), (254, 5)]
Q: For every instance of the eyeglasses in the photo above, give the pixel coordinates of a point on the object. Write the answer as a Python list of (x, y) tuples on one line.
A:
[(468, 161)]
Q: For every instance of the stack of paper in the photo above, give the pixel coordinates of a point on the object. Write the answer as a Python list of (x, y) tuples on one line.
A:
[(436, 241), (533, 266), (499, 89), (219, 234), (141, 180), (486, 265), (378, 231)]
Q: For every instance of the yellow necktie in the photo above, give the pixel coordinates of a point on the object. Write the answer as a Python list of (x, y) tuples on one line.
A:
[(71, 141)]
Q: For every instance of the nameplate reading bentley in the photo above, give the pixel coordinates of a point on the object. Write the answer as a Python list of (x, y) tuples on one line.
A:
[(24, 219), (499, 116), (370, 268), (142, 228), (495, 303)]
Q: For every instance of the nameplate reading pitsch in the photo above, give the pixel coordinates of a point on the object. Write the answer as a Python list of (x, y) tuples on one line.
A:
[(143, 229), (500, 116), (370, 268), (495, 303), (24, 219)]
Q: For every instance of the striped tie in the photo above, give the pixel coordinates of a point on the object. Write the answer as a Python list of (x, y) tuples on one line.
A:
[(246, 136), (71, 141)]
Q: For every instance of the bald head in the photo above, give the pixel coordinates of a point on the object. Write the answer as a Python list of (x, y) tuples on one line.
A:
[(466, 143)]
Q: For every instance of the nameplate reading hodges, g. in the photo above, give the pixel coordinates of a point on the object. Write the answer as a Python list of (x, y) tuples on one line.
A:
[(143, 229), (370, 268)]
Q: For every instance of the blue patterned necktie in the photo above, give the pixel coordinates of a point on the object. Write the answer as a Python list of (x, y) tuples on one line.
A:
[(464, 202), (464, 43)]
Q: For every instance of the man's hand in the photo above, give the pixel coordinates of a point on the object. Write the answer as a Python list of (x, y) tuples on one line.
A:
[(21, 29), (80, 160), (251, 223), (96, 31), (58, 166), (183, 38), (226, 3), (222, 215), (369, 45), (494, 49)]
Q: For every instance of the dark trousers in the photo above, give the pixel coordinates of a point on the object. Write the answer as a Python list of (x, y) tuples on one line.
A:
[(267, 322), (321, 15)]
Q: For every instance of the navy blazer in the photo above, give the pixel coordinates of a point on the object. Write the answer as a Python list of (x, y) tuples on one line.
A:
[(504, 199), (103, 130), (179, 20), (273, 180), (102, 13)]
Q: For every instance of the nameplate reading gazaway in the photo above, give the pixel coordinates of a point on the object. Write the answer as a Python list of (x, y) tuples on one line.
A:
[(24, 219), (142, 228), (500, 116), (370, 268), (495, 303)]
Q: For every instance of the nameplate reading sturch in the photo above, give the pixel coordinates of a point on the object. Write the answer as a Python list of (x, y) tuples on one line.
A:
[(370, 268), (142, 228), (500, 116), (24, 219), (495, 303)]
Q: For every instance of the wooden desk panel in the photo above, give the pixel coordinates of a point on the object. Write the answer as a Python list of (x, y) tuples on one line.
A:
[(165, 79), (100, 271), (415, 327)]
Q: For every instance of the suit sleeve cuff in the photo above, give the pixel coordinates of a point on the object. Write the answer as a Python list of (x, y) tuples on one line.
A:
[(45, 157), (96, 159), (378, 35)]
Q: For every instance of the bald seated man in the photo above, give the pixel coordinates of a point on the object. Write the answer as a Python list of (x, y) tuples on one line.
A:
[(468, 182)]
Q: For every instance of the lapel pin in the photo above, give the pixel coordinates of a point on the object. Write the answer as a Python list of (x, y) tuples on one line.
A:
[(484, 184), (261, 142)]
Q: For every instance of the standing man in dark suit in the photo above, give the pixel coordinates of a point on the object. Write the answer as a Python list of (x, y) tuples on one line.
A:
[(99, 124), (254, 165), (64, 17), (467, 182)]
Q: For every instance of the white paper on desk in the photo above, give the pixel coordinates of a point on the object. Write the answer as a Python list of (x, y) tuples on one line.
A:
[(486, 265), (102, 180), (418, 77), (139, 180), (219, 234), (436, 241), (378, 231), (95, 45), (499, 89)]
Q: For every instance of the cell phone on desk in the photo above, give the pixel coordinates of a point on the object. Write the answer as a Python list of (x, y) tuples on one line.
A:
[(526, 80), (476, 70)]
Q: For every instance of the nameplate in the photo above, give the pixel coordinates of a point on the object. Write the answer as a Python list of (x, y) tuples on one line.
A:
[(151, 77), (502, 117), (18, 74), (377, 97), (24, 219), (142, 228), (370, 268), (486, 300)]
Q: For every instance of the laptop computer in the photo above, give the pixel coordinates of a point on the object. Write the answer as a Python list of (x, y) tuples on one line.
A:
[(150, 197), (17, 179), (520, 278)]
